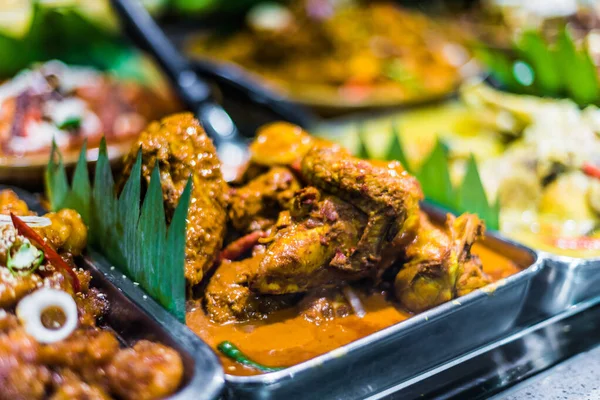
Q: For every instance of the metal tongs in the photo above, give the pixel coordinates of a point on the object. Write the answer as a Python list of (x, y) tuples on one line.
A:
[(195, 92)]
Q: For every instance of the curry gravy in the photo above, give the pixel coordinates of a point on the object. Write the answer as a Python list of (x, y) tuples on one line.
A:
[(285, 338)]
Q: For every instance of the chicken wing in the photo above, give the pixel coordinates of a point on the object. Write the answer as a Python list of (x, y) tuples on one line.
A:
[(440, 265)]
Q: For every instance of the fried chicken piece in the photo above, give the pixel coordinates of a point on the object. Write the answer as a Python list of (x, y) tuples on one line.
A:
[(182, 150), (21, 377), (84, 346), (255, 205), (70, 387), (440, 265), (91, 304), (67, 232), (387, 194), (146, 371), (13, 288), (11, 203)]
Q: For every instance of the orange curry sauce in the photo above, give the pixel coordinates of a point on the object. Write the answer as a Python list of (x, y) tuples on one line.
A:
[(285, 338)]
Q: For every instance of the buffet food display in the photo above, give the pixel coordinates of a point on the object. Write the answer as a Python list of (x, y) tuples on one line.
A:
[(314, 238), (329, 262)]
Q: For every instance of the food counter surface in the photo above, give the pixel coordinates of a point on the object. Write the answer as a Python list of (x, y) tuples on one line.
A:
[(575, 378)]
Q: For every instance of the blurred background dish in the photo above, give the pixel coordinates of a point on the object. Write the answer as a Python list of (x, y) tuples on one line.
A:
[(342, 55), (100, 87)]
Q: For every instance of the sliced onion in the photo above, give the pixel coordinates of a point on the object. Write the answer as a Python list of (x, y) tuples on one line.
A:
[(31, 307), (355, 302), (33, 221)]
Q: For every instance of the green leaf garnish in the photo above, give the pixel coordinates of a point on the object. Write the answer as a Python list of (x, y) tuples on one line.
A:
[(70, 124), (55, 176), (547, 75), (396, 150), (79, 195), (231, 351), (434, 176), (176, 242), (25, 260), (362, 151), (132, 234), (471, 196)]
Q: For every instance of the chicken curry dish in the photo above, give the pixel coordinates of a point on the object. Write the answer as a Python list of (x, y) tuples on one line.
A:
[(51, 343), (310, 248)]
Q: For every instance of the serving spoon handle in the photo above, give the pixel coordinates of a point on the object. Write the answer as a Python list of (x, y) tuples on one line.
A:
[(195, 92)]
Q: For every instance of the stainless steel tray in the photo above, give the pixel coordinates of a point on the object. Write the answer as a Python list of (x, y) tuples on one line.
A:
[(562, 283), (396, 354), (528, 350), (134, 316)]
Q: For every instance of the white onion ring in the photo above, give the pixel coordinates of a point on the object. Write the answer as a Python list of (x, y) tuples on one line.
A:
[(31, 307), (33, 221)]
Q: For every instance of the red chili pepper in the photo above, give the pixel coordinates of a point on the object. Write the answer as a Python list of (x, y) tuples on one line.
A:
[(238, 247), (591, 170), (50, 254)]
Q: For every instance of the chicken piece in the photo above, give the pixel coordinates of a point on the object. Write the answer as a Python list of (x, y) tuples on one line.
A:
[(440, 265), (182, 150), (13, 288), (91, 304), (67, 233), (21, 377), (306, 253), (324, 305), (228, 298), (387, 194), (86, 351), (280, 143), (70, 387), (11, 203), (8, 322), (255, 206), (146, 371)]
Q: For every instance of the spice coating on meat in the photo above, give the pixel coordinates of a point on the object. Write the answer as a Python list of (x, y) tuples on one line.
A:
[(182, 150)]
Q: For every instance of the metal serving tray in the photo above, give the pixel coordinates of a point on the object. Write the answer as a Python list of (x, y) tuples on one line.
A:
[(400, 352), (134, 316), (563, 282)]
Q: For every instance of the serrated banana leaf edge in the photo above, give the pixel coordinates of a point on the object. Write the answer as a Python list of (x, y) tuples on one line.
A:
[(434, 177), (131, 233)]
